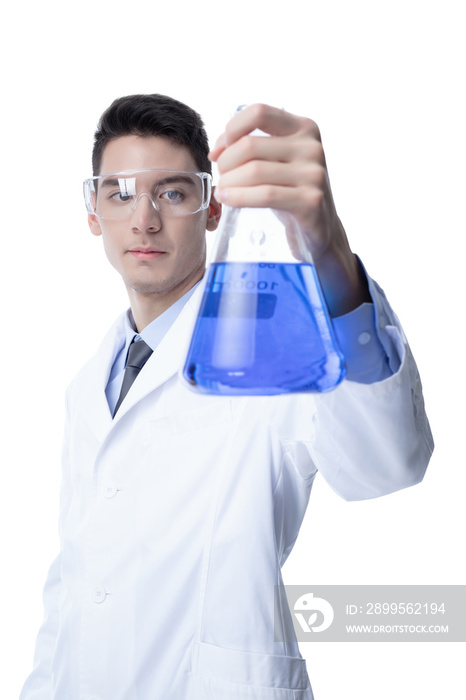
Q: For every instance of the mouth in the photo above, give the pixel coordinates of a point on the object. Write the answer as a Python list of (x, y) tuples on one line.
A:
[(146, 253)]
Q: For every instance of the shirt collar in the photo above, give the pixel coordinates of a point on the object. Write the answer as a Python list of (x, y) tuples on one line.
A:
[(155, 331)]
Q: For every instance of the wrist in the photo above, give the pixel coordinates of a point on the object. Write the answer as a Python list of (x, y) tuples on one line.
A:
[(343, 281)]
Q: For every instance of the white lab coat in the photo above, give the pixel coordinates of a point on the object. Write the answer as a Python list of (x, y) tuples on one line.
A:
[(177, 516)]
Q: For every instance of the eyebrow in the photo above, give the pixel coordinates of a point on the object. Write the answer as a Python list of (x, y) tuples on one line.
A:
[(108, 182), (114, 182)]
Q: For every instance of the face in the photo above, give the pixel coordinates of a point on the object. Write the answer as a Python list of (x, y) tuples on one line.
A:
[(154, 254)]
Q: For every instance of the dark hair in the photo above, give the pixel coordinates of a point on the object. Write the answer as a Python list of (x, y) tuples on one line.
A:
[(152, 115)]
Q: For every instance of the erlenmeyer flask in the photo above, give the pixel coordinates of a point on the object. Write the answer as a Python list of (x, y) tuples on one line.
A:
[(263, 326)]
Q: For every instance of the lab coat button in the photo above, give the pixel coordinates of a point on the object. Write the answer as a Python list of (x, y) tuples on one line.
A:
[(110, 490), (99, 594), (364, 338)]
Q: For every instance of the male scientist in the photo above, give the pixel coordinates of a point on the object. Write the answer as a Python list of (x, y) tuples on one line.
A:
[(178, 510)]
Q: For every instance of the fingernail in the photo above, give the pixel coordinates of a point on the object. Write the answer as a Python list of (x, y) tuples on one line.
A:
[(221, 195)]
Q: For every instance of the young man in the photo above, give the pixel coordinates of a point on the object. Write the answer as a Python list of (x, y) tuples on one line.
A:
[(178, 510)]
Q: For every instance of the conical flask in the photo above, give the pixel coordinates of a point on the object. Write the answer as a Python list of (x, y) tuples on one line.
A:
[(263, 326)]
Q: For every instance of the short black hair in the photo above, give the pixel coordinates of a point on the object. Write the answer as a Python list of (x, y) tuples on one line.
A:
[(152, 115)]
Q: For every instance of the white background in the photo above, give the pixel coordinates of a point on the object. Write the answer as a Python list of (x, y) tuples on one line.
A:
[(385, 83)]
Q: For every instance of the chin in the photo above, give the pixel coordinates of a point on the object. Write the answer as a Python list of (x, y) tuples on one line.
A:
[(148, 288), (151, 286)]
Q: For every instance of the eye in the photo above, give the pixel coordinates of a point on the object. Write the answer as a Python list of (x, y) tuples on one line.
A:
[(173, 196), (119, 197)]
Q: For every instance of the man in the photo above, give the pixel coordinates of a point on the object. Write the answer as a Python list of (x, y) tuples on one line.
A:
[(178, 510)]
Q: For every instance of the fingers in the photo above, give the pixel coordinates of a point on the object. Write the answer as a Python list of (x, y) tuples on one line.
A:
[(294, 200), (284, 171), (257, 172), (293, 149), (271, 120)]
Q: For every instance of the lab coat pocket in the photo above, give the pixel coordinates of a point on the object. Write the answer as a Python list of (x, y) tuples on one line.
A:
[(228, 674)]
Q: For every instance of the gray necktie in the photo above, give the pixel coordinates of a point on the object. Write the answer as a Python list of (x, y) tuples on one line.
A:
[(138, 354)]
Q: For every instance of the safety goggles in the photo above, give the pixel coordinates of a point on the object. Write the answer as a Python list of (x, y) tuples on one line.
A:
[(172, 193)]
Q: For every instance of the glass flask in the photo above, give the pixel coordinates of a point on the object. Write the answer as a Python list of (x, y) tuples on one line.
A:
[(263, 326)]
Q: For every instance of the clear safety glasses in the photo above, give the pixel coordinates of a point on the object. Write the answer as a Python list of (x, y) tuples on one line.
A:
[(171, 192)]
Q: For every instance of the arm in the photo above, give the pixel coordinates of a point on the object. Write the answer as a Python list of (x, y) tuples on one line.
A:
[(373, 439), (287, 171), (38, 685), (366, 439), (370, 436)]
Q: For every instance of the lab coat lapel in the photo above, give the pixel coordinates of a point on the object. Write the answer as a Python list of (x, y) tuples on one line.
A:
[(167, 358), (98, 414)]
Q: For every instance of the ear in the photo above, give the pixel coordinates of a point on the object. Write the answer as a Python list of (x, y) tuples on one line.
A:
[(94, 224), (215, 212)]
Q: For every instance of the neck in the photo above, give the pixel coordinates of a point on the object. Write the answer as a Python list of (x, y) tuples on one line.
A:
[(147, 306)]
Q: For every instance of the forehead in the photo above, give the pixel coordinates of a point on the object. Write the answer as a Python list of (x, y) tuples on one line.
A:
[(141, 153)]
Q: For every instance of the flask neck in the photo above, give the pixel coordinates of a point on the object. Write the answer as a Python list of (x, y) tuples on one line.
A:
[(259, 235)]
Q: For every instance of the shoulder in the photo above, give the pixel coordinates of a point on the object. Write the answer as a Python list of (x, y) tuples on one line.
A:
[(103, 358)]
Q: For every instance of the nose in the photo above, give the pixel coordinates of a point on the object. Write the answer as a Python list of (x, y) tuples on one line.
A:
[(144, 215)]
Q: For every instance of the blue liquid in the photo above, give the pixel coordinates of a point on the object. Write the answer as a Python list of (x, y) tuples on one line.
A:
[(263, 328)]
